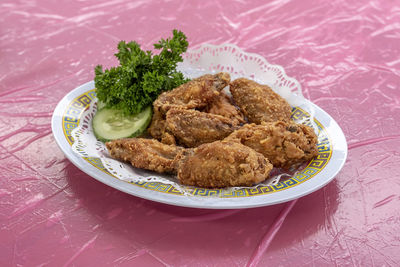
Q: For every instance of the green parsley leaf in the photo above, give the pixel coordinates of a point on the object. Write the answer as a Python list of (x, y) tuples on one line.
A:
[(141, 76)]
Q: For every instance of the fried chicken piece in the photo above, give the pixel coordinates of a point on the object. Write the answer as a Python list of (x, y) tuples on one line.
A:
[(147, 154), (284, 144), (222, 105), (196, 93), (192, 128), (222, 164), (258, 102)]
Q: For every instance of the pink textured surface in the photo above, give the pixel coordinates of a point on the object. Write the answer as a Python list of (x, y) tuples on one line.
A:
[(346, 55)]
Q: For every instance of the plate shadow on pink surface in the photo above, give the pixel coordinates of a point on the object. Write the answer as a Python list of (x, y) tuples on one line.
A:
[(235, 232)]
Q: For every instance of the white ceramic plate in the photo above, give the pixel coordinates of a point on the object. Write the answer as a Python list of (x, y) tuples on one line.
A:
[(73, 111)]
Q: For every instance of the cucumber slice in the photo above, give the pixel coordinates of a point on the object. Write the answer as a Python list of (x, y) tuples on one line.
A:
[(110, 124)]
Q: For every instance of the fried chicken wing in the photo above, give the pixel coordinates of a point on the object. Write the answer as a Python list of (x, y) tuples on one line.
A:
[(258, 102), (222, 105), (283, 143), (192, 128), (143, 153), (222, 164), (196, 93)]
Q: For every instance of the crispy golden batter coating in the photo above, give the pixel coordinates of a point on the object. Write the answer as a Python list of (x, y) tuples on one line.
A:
[(284, 144), (222, 105), (222, 164), (258, 102), (192, 128), (196, 93), (157, 125), (147, 154)]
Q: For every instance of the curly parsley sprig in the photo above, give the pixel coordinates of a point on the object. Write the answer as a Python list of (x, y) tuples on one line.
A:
[(141, 76)]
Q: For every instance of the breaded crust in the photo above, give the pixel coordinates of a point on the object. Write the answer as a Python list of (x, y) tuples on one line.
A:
[(147, 154), (192, 128), (222, 164), (195, 94), (284, 144), (259, 103)]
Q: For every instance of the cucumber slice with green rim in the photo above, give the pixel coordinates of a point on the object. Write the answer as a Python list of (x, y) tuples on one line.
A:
[(110, 124)]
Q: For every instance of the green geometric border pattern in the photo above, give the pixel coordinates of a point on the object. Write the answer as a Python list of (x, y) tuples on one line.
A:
[(73, 112)]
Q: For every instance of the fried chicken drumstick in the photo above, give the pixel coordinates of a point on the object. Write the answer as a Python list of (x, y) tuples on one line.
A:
[(258, 102)]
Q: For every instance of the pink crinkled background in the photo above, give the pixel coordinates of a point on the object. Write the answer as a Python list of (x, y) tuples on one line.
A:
[(345, 54)]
